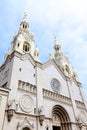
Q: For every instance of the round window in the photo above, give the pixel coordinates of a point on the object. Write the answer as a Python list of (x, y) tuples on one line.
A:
[(55, 84)]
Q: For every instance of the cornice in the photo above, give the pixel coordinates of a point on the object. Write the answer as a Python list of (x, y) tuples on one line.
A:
[(56, 97), (4, 91), (27, 56), (24, 56), (25, 86), (19, 55)]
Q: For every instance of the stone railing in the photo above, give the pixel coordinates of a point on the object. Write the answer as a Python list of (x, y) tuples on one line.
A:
[(56, 96), (25, 86), (80, 104)]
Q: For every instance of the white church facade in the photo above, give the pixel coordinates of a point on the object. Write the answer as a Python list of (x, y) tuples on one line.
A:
[(36, 96)]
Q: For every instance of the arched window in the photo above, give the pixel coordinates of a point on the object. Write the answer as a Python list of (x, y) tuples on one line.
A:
[(26, 47), (18, 44), (26, 128), (24, 26), (47, 127)]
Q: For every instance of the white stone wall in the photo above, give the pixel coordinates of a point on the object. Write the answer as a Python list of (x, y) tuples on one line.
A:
[(3, 103), (48, 74), (22, 70), (5, 73), (76, 92)]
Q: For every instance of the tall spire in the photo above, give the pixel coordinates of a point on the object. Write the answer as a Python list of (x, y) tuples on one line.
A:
[(24, 25), (62, 60), (23, 41), (25, 17), (57, 48)]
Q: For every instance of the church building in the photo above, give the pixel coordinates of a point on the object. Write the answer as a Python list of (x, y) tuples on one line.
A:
[(39, 96)]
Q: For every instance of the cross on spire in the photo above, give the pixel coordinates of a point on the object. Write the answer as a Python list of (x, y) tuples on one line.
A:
[(54, 38), (25, 15)]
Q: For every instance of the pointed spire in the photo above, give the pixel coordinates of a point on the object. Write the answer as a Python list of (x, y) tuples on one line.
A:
[(25, 17), (54, 38), (57, 47), (24, 25)]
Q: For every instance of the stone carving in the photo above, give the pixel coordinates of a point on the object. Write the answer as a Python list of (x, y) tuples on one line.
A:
[(66, 70), (80, 104), (11, 104), (41, 110), (11, 108), (25, 123), (41, 114), (56, 119), (26, 103), (82, 117), (75, 76)]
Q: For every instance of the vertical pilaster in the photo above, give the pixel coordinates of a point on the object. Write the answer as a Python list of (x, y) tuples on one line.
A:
[(39, 99), (82, 94), (69, 84)]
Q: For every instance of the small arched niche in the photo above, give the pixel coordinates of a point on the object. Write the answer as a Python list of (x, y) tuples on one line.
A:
[(26, 47)]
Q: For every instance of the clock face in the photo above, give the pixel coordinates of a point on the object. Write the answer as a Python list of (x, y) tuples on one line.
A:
[(55, 85)]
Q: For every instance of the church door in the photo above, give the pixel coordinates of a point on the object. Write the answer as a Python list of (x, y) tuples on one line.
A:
[(56, 128), (60, 119)]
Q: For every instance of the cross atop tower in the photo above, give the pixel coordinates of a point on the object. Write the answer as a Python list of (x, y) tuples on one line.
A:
[(54, 38), (25, 15)]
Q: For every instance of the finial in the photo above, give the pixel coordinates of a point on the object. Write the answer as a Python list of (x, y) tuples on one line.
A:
[(57, 47), (54, 38), (25, 15), (51, 55)]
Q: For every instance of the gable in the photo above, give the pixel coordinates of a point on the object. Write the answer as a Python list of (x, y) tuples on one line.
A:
[(51, 71)]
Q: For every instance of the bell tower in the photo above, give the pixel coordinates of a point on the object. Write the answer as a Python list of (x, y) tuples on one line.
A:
[(23, 41)]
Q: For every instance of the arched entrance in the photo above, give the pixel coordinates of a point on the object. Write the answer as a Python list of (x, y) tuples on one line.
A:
[(26, 128), (60, 119)]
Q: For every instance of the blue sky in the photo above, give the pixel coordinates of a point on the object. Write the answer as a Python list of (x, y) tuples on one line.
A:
[(65, 18)]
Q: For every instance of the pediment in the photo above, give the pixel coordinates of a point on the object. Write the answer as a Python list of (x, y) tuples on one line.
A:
[(53, 63), (25, 123)]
